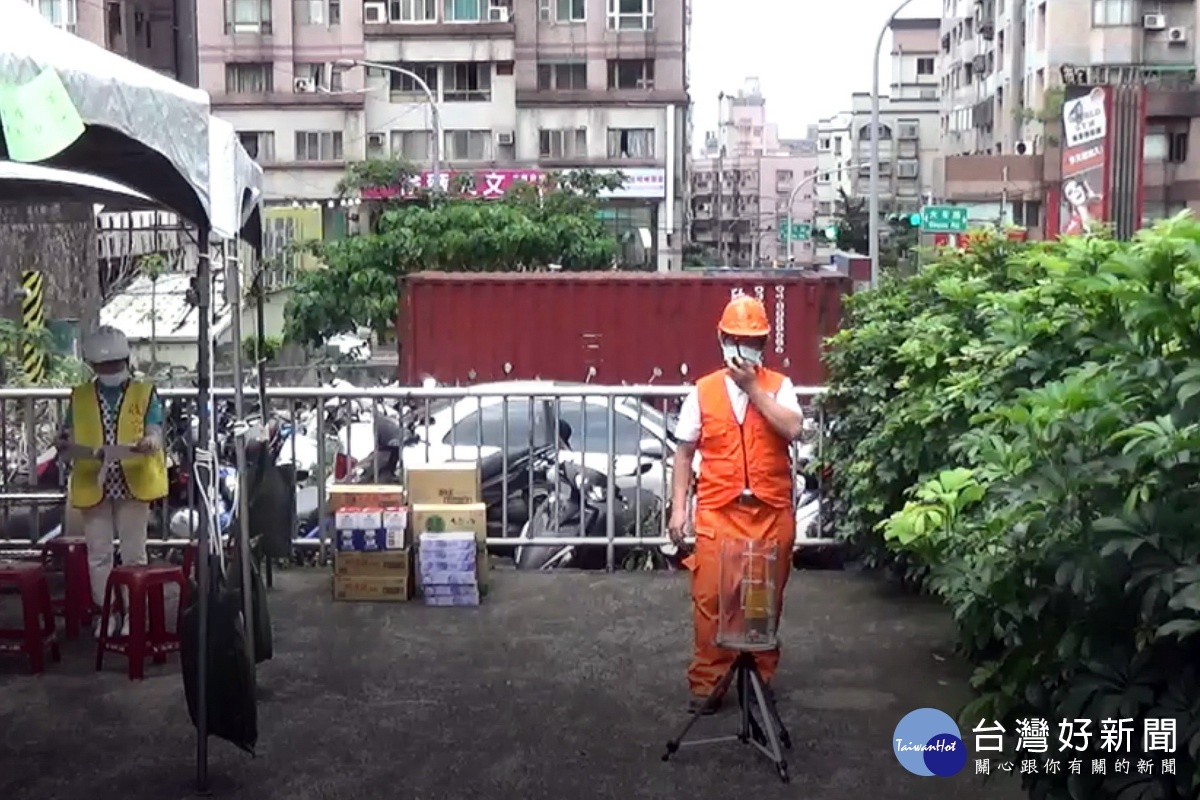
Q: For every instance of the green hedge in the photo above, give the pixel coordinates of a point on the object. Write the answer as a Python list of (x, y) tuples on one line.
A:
[(1018, 431)]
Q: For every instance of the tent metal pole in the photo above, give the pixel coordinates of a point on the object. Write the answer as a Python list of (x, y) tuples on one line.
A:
[(205, 412), (233, 290)]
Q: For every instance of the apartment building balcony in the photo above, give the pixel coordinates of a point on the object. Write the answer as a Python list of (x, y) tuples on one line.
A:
[(437, 19), (632, 98), (287, 100)]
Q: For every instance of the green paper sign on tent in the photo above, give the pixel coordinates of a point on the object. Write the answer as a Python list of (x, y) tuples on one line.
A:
[(38, 118)]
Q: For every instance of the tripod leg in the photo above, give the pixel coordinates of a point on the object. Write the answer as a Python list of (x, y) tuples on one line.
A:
[(769, 717), (743, 681), (710, 703)]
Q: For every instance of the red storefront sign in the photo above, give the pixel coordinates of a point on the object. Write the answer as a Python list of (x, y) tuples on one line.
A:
[(487, 183)]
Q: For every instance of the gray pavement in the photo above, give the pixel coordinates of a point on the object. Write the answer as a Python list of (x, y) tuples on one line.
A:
[(562, 686)]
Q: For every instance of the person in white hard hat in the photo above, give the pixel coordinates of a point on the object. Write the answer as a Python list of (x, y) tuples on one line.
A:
[(114, 498)]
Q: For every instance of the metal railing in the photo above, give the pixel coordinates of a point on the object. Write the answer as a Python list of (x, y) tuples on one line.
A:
[(621, 431)]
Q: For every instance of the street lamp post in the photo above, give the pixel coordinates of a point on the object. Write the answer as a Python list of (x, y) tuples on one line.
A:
[(796, 190), (873, 205), (435, 115)]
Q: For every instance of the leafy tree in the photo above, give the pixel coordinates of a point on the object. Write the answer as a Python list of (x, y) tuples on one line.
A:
[(1017, 429), (852, 220), (531, 228)]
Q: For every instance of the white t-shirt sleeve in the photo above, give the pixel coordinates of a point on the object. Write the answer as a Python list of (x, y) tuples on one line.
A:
[(687, 427), (786, 397)]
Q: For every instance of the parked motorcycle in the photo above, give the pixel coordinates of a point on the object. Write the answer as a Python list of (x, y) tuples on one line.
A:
[(579, 506)]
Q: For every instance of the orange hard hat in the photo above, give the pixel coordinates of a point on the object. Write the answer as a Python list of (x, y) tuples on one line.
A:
[(744, 316)]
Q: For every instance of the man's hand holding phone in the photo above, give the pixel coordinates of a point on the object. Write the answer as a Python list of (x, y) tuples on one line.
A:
[(743, 373)]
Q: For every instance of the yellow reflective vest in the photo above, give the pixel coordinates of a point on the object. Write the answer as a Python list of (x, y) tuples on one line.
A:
[(146, 476)]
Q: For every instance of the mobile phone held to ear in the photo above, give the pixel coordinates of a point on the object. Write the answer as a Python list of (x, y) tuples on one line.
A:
[(735, 362)]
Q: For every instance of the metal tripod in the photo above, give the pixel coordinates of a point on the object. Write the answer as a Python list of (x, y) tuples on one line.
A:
[(761, 725)]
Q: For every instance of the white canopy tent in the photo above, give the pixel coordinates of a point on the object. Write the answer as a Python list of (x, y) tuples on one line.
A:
[(144, 137)]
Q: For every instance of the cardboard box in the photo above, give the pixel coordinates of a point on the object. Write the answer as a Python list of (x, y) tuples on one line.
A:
[(350, 588), (440, 518), (391, 564), (371, 541), (451, 595), (451, 483), (353, 518), (350, 495)]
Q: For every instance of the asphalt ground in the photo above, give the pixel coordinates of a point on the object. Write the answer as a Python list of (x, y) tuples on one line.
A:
[(562, 685)]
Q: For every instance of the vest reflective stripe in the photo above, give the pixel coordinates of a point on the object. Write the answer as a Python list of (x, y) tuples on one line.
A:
[(146, 476), (733, 457)]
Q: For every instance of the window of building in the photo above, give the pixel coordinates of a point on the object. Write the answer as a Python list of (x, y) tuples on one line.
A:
[(319, 146), (563, 143), (61, 13), (567, 77), (631, 143), (823, 145), (465, 10), (1109, 13), (925, 66), (469, 145), (1177, 149), (1027, 213), (864, 133), (403, 88), (633, 228), (412, 10), (317, 12), (631, 74), (571, 11), (416, 146), (247, 16), (783, 176), (825, 208), (467, 82), (319, 75), (260, 145), (630, 15), (249, 78)]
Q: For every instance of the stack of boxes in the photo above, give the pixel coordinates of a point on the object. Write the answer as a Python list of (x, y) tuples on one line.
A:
[(449, 522), (372, 561)]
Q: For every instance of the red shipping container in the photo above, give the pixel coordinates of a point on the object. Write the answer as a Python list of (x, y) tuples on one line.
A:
[(475, 328)]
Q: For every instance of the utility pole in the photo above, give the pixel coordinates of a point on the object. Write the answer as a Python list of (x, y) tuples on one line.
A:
[(1004, 198), (720, 177), (187, 47), (873, 205)]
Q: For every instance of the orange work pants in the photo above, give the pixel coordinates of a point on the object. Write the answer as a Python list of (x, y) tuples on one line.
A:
[(756, 521)]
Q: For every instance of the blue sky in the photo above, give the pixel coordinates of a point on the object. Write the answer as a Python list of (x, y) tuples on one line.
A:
[(809, 55)]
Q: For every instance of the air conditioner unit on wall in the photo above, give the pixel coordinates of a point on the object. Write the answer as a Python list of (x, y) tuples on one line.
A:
[(375, 13), (1024, 148), (376, 140), (505, 138), (497, 14), (1154, 22), (1177, 35), (304, 86)]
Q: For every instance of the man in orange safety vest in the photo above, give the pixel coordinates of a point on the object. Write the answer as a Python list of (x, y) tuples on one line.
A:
[(741, 419)]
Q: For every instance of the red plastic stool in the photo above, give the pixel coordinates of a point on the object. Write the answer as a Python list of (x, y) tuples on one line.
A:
[(37, 634), (75, 606), (144, 585)]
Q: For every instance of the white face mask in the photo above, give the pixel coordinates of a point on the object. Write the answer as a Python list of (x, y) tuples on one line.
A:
[(732, 350), (113, 379)]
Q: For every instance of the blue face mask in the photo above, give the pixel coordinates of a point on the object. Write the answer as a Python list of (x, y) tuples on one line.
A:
[(751, 355)]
